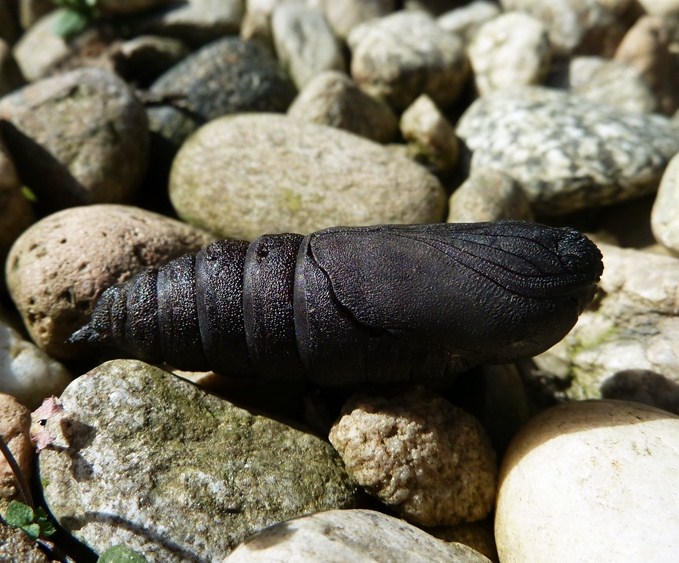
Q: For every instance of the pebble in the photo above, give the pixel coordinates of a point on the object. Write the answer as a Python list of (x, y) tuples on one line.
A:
[(332, 98), (431, 137), (187, 474), (649, 47), (15, 545), (591, 481), (246, 175), (508, 51), (405, 54), (583, 27), (607, 81), (568, 153), (660, 7), (633, 329), (26, 372), (226, 76), (345, 15), (39, 49), (425, 458), (15, 426), (77, 138), (664, 219), (305, 44), (466, 20), (349, 535), (196, 21), (488, 195), (57, 269)]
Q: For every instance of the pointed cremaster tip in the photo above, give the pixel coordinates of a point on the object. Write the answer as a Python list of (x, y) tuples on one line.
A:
[(85, 335)]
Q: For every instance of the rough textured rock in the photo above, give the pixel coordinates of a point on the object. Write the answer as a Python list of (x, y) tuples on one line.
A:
[(15, 425), (664, 219), (608, 82), (26, 372), (399, 57), (58, 268), (304, 43), (77, 138), (508, 51), (585, 27), (591, 481), (242, 176), (154, 463), (349, 535), (15, 545), (466, 20), (227, 76), (568, 153), (624, 347), (332, 98), (425, 458), (651, 47), (195, 21), (488, 195), (431, 138)]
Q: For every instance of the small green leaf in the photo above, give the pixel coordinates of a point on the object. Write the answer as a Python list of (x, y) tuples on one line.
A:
[(32, 531), (70, 23), (28, 194), (42, 519), (120, 554), (19, 514)]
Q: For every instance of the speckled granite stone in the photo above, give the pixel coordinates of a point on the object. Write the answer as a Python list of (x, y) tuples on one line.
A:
[(566, 152)]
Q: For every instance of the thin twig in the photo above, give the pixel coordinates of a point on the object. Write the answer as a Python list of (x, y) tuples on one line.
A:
[(22, 484)]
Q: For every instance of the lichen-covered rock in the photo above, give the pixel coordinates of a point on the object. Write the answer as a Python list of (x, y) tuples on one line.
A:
[(304, 43), (568, 153), (15, 425), (488, 195), (26, 372), (349, 535), (245, 175), (591, 481), (585, 27), (226, 76), (425, 458), (399, 57), (625, 346), (508, 51), (77, 138), (58, 267), (147, 460)]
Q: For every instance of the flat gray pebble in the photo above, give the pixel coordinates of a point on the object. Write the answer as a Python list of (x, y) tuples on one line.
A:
[(566, 152)]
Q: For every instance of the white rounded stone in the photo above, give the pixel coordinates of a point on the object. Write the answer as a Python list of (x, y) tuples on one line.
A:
[(591, 481)]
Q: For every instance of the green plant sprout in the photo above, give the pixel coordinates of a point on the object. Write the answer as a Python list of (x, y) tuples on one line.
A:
[(34, 522), (76, 16)]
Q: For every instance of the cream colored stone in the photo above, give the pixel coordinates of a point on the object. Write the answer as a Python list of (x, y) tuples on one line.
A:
[(591, 481)]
